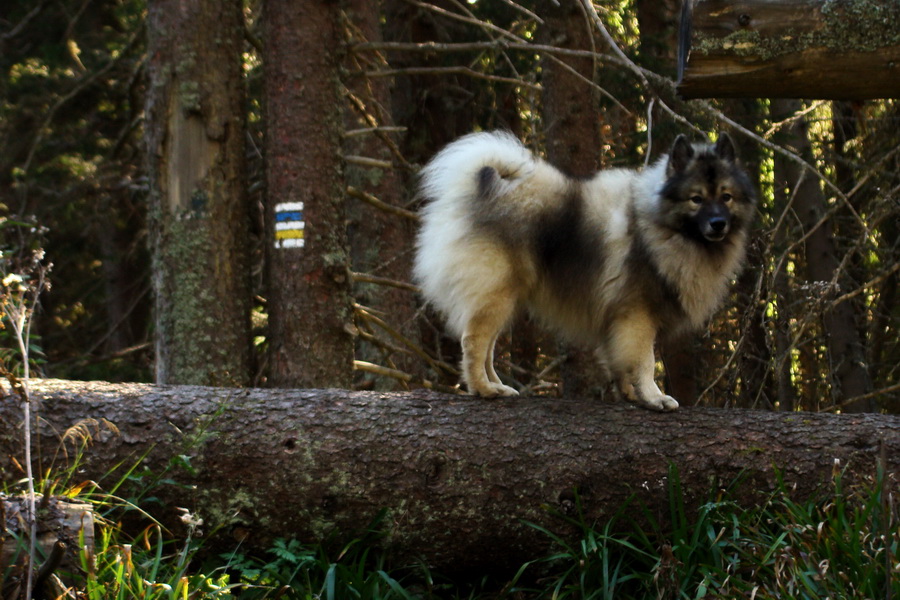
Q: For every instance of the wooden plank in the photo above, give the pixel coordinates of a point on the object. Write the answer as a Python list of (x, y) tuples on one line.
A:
[(790, 49)]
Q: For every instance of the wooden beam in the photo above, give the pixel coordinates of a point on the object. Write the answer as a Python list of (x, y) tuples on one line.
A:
[(847, 50)]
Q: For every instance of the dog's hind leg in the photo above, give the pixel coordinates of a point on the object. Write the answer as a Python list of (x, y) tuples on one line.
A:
[(489, 362), (478, 340)]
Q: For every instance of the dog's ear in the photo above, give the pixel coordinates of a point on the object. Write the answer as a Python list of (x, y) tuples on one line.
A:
[(681, 155), (725, 148)]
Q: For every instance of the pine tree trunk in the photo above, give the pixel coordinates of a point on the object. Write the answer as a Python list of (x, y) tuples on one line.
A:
[(195, 132), (847, 361), (310, 309), (573, 142), (782, 291), (458, 476), (380, 242)]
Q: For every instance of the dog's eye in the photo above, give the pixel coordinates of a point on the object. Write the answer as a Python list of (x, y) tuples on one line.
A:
[(727, 198), (697, 199)]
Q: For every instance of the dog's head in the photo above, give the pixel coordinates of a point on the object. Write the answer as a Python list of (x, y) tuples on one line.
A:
[(707, 195)]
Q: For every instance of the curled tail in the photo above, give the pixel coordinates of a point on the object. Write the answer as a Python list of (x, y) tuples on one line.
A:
[(472, 165), (450, 262)]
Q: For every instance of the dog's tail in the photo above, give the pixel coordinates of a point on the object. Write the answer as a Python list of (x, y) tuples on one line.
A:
[(450, 266), (474, 166)]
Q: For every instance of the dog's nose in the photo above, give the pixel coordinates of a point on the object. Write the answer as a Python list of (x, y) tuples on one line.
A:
[(718, 224)]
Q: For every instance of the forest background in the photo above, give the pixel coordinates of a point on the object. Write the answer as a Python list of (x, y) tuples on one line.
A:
[(350, 99)]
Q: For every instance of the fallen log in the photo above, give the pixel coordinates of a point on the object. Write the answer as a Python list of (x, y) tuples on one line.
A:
[(58, 520), (63, 528), (457, 475), (847, 50)]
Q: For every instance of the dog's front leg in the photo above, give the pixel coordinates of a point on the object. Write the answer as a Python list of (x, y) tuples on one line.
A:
[(633, 362)]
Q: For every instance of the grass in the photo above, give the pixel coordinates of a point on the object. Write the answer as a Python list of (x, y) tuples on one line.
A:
[(841, 544)]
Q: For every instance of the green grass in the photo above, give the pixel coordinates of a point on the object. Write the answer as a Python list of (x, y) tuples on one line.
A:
[(842, 544)]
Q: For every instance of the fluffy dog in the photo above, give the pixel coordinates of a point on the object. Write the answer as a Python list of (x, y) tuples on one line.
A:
[(612, 261)]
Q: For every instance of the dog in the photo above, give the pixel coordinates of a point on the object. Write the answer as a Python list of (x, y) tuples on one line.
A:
[(613, 261)]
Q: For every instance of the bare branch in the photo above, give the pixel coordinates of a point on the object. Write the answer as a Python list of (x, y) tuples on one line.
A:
[(370, 199), (367, 278)]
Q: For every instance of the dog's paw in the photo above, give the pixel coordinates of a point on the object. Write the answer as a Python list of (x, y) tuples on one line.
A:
[(494, 390), (661, 403)]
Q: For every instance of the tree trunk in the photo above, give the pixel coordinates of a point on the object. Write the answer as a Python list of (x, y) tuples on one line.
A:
[(782, 292), (573, 141), (846, 354), (198, 211), (753, 364), (380, 242), (310, 309), (789, 49), (458, 476)]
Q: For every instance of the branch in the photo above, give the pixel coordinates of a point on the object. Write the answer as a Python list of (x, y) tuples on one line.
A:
[(370, 199)]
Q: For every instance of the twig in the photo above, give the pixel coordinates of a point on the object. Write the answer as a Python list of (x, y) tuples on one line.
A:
[(867, 396), (452, 71), (57, 552), (367, 278), (361, 365), (369, 198), (436, 47), (15, 303), (34, 12), (365, 313), (524, 11), (470, 20), (794, 117), (365, 161), (376, 128), (723, 370), (384, 345), (627, 62), (367, 130)]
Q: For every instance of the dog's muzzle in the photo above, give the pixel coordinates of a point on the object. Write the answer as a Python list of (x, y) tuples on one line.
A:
[(715, 229)]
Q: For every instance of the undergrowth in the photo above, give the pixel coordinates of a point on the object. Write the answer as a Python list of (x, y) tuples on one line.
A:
[(841, 544)]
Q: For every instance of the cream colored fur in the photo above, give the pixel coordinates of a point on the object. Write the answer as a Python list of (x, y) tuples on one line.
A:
[(478, 275)]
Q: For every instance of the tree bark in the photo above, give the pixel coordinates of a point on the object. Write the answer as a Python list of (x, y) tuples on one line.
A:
[(198, 212), (789, 49), (58, 520), (380, 242), (570, 110), (847, 366), (458, 476), (783, 172), (310, 308)]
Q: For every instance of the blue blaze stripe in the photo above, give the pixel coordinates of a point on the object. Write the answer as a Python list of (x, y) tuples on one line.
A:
[(289, 216)]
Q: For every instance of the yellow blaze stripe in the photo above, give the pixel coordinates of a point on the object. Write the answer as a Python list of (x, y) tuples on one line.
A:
[(289, 234)]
